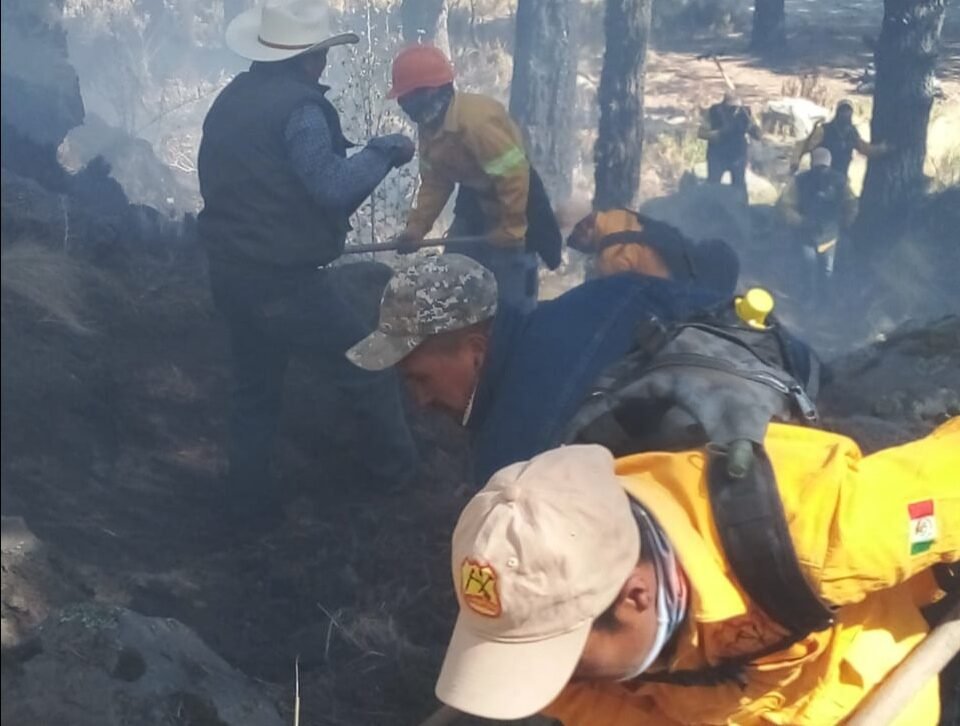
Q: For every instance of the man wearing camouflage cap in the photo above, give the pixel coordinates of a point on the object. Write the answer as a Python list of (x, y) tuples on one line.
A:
[(513, 379), (433, 296)]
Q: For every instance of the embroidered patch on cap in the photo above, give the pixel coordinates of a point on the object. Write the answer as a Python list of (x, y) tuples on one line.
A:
[(478, 585), (923, 526)]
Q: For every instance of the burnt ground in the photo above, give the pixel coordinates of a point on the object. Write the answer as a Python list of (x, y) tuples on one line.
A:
[(113, 430), (112, 454), (115, 384)]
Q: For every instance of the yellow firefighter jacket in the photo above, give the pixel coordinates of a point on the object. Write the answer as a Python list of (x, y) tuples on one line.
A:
[(790, 205), (480, 147), (866, 531)]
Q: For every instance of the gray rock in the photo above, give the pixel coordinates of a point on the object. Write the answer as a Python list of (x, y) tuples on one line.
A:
[(101, 666), (34, 583), (144, 178), (30, 211), (796, 116), (41, 92)]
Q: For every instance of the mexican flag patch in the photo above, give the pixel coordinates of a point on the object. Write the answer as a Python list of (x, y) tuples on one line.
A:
[(923, 526)]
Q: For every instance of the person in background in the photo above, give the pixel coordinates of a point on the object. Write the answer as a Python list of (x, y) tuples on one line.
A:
[(841, 138), (468, 140), (278, 190), (818, 207), (726, 127)]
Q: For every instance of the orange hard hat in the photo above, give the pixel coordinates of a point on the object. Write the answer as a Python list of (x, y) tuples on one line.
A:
[(419, 66)]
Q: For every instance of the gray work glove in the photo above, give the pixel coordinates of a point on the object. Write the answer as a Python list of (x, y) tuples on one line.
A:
[(398, 148)]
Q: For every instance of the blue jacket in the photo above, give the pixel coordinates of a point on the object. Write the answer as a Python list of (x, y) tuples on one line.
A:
[(540, 366)]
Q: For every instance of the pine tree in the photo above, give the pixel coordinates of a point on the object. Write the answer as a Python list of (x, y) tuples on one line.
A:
[(620, 135), (543, 90)]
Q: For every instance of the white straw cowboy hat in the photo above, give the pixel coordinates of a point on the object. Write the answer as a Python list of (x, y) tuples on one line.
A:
[(280, 30)]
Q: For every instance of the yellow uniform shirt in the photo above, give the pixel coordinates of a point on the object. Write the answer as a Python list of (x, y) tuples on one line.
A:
[(479, 146), (866, 531)]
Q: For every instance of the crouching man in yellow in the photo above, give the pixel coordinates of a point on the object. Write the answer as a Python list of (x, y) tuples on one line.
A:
[(598, 591)]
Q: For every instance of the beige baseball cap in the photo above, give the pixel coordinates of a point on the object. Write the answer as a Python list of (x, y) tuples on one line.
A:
[(538, 554)]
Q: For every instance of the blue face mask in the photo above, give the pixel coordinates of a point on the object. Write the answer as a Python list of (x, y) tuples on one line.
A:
[(671, 604)]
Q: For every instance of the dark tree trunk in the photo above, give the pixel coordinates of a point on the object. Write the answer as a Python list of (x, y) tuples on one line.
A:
[(620, 95), (543, 90), (425, 21), (905, 57), (769, 26)]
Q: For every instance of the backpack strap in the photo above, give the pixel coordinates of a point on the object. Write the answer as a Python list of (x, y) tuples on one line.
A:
[(753, 530), (947, 576), (804, 385), (784, 385), (676, 255), (812, 384), (756, 541)]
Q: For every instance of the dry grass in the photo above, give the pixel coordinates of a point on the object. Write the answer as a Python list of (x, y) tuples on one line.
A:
[(55, 286), (809, 86), (672, 153), (946, 169)]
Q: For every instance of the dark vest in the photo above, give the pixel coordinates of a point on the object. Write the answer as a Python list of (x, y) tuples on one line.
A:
[(731, 144), (821, 193), (840, 141), (256, 209)]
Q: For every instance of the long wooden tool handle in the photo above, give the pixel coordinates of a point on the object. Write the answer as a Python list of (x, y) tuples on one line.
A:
[(924, 662), (431, 242), (723, 74)]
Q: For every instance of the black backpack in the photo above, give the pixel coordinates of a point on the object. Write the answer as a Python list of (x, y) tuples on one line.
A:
[(714, 381), (543, 231)]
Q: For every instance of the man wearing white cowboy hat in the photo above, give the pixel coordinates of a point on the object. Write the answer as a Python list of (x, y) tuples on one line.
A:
[(278, 190)]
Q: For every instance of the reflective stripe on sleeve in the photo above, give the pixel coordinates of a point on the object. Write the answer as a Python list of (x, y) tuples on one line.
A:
[(506, 162)]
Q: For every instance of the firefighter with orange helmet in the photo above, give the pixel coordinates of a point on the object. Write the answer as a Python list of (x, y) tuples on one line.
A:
[(468, 140)]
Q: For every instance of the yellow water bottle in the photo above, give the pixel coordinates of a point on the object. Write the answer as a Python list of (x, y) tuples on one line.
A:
[(754, 307)]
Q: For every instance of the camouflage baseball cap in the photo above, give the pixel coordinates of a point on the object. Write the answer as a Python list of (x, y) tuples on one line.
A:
[(432, 295)]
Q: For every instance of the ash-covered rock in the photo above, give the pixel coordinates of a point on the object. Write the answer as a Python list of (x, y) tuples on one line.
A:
[(41, 92), (103, 666), (35, 582), (144, 178)]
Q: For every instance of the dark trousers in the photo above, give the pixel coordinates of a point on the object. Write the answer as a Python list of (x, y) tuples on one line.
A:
[(516, 270), (272, 318), (818, 264), (718, 165)]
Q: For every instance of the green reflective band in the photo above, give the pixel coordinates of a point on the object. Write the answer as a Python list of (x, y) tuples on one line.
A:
[(506, 162)]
